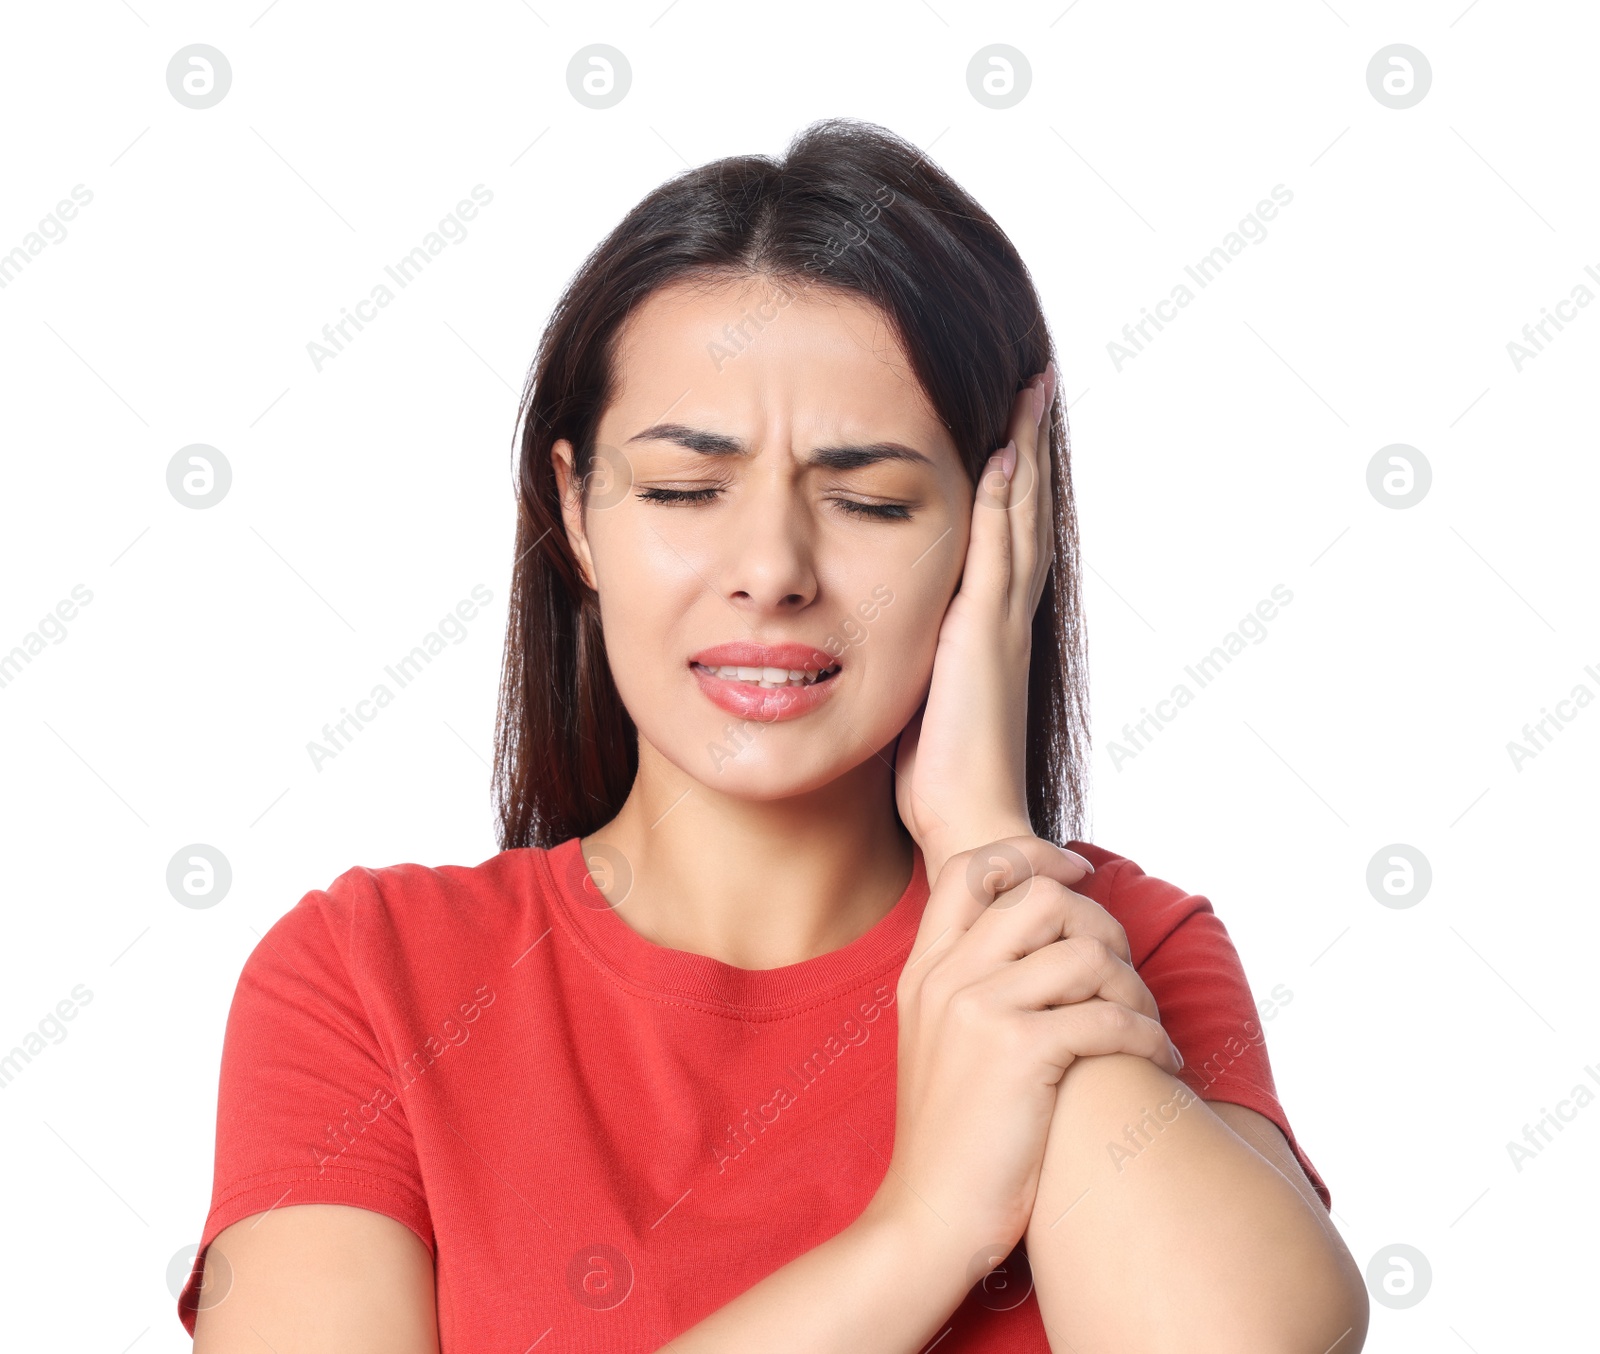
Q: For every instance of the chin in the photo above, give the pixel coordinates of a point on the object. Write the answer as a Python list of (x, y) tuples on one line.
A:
[(733, 761)]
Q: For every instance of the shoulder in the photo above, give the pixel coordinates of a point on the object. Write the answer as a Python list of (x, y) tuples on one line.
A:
[(408, 915), (411, 894), (1149, 908)]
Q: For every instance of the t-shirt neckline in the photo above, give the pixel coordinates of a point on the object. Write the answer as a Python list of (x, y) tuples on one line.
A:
[(680, 976)]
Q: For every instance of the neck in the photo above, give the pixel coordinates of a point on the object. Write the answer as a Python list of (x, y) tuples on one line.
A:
[(755, 883)]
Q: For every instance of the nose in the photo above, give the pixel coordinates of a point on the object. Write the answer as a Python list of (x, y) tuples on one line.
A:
[(767, 557)]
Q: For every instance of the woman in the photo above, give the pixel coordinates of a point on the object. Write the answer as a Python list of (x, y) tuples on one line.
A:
[(700, 1058)]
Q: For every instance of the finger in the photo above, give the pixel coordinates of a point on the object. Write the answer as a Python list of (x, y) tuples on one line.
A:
[(1071, 970), (1031, 437), (1037, 912), (986, 571), (992, 565), (971, 880), (1012, 500), (1091, 1027)]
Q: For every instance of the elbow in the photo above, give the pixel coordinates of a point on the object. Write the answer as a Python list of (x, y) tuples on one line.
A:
[(1305, 1295), (1349, 1311), (1339, 1307), (1320, 1311), (1310, 1294)]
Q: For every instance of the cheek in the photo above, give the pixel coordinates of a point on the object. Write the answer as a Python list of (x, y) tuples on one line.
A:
[(891, 597), (644, 589), (891, 637)]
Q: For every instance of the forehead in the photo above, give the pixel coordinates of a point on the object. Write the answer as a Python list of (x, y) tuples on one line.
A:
[(752, 343)]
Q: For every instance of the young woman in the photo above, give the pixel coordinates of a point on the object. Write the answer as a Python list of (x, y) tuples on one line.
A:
[(783, 1020)]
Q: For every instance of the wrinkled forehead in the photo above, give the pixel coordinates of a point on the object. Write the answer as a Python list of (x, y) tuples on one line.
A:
[(758, 351)]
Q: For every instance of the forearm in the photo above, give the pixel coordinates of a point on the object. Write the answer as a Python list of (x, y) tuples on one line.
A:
[(1157, 1228), (883, 1285)]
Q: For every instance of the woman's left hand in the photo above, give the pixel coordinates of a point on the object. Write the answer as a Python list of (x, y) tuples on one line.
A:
[(960, 765)]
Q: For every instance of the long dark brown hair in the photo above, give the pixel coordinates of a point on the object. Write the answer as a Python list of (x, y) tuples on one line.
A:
[(850, 206)]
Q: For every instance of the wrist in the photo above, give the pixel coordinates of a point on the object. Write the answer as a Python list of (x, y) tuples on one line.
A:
[(939, 847), (930, 1256)]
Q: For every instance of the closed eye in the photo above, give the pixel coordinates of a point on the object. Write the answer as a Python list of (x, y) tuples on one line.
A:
[(888, 512), (895, 512), (675, 495)]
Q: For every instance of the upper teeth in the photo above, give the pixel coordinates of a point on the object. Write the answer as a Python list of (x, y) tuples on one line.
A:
[(769, 677)]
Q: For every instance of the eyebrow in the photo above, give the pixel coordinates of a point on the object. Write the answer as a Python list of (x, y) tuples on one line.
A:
[(850, 457)]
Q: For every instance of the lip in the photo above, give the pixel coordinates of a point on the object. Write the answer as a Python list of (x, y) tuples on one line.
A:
[(767, 705), (743, 654)]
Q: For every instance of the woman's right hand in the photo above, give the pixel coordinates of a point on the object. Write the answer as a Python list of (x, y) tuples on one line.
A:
[(1012, 976)]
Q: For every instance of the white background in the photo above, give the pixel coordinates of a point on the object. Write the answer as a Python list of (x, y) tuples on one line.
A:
[(1229, 456)]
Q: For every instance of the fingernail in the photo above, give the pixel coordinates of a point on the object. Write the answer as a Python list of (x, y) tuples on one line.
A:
[(1008, 459), (1081, 861), (1177, 1053)]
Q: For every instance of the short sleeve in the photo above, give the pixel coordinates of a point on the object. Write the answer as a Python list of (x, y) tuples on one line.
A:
[(1188, 961), (306, 1106)]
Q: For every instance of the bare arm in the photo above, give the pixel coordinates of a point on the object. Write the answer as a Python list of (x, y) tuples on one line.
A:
[(1158, 1227), (884, 1285), (333, 1279), (317, 1279)]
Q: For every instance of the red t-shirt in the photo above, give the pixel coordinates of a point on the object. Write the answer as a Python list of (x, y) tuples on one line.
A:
[(601, 1140)]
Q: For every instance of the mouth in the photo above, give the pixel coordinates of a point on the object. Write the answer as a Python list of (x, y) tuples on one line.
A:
[(767, 678), (766, 682)]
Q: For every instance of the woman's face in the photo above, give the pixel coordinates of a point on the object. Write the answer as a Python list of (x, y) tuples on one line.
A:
[(827, 509)]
